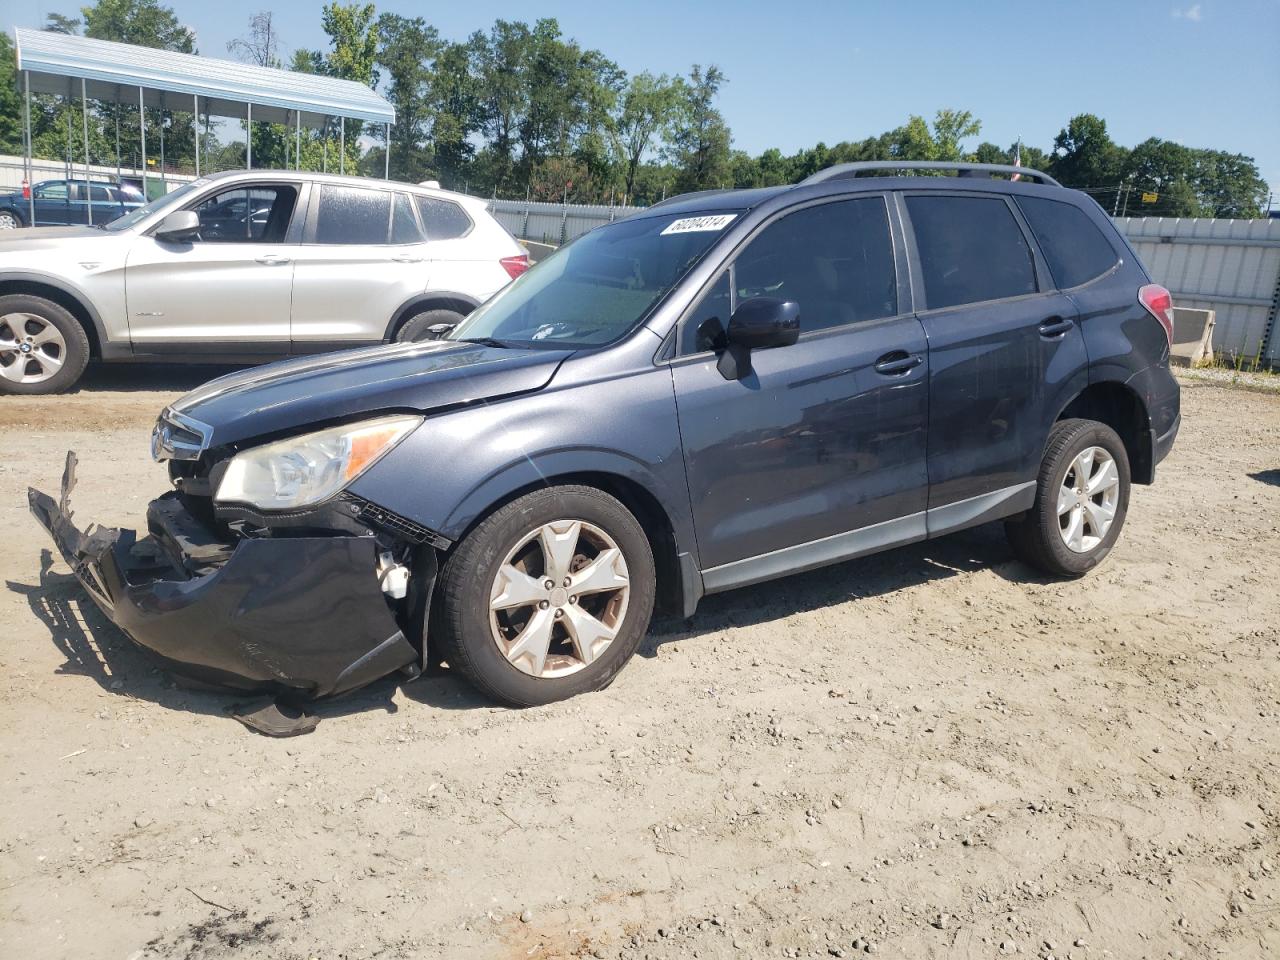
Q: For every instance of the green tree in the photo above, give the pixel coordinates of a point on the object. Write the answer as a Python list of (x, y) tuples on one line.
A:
[(145, 23), (1084, 154), (647, 107), (950, 127), (10, 99), (1229, 184), (455, 97), (58, 23), (699, 144), (407, 51)]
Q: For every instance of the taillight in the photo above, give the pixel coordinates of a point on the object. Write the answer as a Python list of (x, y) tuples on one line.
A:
[(515, 265), (1159, 303)]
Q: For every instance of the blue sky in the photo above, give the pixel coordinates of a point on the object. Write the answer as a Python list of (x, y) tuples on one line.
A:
[(1202, 73)]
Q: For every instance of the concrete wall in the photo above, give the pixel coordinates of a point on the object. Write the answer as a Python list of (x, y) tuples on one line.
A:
[(12, 173)]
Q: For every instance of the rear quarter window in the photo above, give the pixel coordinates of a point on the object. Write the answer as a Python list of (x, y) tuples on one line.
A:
[(442, 219), (1074, 247)]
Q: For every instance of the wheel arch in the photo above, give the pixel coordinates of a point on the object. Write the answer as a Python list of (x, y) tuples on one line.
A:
[(675, 594), (1119, 407), (431, 300), (69, 299)]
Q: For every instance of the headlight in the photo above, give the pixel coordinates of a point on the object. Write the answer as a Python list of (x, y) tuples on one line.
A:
[(304, 470)]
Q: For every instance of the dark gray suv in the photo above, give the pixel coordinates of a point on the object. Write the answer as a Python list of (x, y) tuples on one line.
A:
[(727, 388)]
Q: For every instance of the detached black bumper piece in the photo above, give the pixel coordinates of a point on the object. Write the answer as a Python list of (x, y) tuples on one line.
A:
[(300, 615)]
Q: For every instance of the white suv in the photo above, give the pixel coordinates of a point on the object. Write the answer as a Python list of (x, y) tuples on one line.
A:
[(244, 267)]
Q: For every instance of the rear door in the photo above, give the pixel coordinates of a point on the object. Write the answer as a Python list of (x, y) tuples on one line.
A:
[(229, 290), (363, 258), (823, 437), (1005, 350)]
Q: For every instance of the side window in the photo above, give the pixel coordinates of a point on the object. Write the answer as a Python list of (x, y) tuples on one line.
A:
[(971, 249), (404, 229), (704, 327), (57, 190), (443, 219), (247, 215), (100, 194), (1072, 243), (834, 260), (353, 215)]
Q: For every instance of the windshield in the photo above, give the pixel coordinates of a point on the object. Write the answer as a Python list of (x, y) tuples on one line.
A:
[(596, 289), (146, 210)]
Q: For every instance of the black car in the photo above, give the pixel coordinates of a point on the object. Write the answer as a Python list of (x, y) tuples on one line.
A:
[(724, 389), (62, 202)]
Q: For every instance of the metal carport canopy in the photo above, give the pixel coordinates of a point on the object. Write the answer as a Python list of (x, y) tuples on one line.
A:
[(114, 72)]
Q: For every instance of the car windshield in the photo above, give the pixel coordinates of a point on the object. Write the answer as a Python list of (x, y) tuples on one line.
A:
[(172, 198), (598, 288)]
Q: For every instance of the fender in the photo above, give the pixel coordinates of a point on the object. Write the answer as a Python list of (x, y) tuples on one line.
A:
[(418, 301), (108, 349), (543, 468)]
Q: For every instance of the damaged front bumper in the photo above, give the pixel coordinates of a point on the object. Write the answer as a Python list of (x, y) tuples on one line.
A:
[(298, 614)]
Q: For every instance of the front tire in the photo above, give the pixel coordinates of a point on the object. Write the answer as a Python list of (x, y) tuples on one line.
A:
[(1082, 497), (418, 327), (548, 597), (9, 220), (43, 348)]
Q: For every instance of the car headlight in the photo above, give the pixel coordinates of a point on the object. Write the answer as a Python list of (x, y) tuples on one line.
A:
[(304, 470)]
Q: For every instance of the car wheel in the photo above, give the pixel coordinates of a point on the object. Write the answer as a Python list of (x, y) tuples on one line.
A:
[(1082, 496), (9, 220), (43, 348), (418, 327), (548, 597)]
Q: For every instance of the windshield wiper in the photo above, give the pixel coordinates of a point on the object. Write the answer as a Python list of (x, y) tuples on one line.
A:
[(484, 341)]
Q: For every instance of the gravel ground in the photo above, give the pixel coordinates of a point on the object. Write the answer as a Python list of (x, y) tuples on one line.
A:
[(928, 753)]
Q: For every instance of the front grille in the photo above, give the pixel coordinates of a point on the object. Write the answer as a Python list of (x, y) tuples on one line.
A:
[(377, 516), (178, 437)]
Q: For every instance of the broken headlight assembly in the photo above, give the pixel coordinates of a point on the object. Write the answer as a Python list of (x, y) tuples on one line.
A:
[(306, 470)]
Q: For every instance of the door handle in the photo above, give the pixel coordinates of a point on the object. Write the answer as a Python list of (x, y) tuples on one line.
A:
[(404, 258), (898, 362), (272, 260), (1055, 327)]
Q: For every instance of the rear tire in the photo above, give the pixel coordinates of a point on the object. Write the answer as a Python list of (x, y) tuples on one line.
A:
[(418, 327), (1082, 497), (43, 348), (487, 628)]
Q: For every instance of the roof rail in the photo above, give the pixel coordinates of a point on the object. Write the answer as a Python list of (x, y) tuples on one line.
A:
[(846, 171)]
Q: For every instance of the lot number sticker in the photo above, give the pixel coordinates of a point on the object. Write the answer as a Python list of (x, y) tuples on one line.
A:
[(695, 224)]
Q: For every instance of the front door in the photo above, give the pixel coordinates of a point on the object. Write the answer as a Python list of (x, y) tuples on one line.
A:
[(53, 203), (1005, 351), (819, 452), (364, 258), (227, 292)]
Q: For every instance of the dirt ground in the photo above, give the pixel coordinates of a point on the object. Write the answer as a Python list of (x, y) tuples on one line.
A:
[(929, 753)]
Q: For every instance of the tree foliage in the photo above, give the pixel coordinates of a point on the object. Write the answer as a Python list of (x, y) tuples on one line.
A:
[(520, 109)]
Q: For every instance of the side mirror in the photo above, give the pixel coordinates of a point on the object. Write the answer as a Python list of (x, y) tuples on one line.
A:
[(181, 226), (758, 324), (437, 331)]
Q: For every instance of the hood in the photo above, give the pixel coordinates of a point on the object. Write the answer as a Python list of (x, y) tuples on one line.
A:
[(309, 392), (44, 238)]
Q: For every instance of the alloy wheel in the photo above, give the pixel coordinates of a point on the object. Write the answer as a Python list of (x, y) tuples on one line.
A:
[(559, 598), (31, 348), (1087, 499), (9, 222)]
